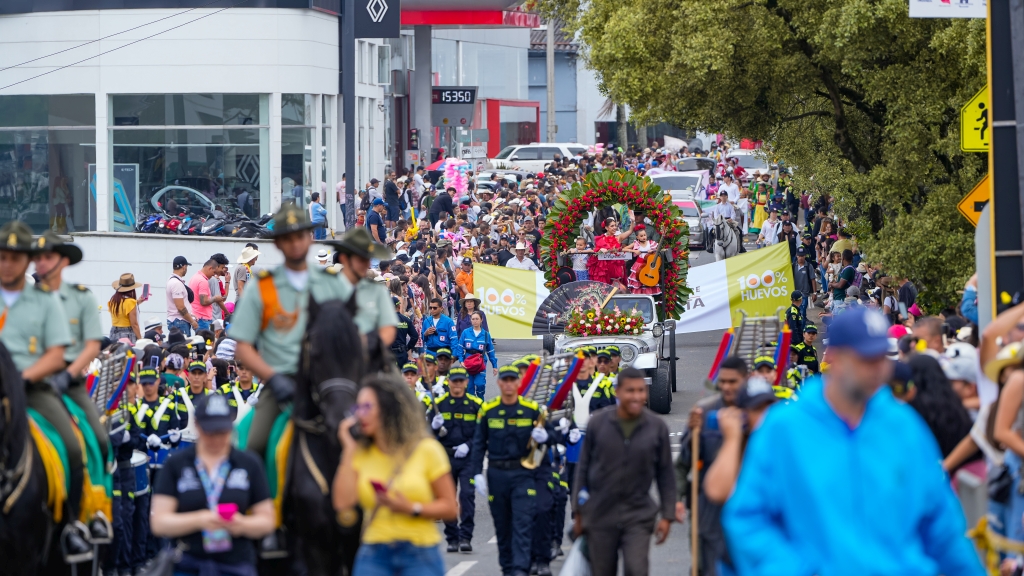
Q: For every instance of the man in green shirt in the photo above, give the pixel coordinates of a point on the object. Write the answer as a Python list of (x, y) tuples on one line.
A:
[(34, 330), (375, 312), (82, 312), (271, 318)]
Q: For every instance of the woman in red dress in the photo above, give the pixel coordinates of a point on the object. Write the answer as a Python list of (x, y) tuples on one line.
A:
[(609, 271)]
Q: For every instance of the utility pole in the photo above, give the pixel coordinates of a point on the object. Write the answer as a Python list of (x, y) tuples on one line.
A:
[(552, 129), (348, 93)]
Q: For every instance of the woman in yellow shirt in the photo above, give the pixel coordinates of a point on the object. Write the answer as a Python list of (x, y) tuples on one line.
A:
[(401, 477), (123, 306)]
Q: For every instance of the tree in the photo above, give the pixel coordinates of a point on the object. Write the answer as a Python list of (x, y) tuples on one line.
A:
[(862, 99)]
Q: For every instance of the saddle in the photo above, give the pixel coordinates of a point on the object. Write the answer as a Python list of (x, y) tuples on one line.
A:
[(279, 445), (97, 489)]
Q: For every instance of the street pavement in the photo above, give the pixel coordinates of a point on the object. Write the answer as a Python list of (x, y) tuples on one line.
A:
[(696, 352)]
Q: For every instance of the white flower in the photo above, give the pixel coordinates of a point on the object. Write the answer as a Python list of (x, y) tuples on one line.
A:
[(636, 331)]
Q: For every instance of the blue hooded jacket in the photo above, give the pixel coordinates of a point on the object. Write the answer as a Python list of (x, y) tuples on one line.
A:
[(815, 497)]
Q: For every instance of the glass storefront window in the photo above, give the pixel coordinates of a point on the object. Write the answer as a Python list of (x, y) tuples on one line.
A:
[(47, 153), (296, 165), (518, 125), (186, 110), (444, 56)]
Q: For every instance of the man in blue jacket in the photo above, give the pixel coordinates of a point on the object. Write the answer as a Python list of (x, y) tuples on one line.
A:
[(865, 491), (438, 329)]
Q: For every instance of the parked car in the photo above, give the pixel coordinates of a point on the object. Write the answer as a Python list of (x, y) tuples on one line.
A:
[(174, 198), (533, 157), (691, 164), (695, 183), (694, 217), (752, 163), (652, 351)]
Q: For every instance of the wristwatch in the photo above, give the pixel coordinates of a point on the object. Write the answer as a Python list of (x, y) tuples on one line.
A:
[(417, 509)]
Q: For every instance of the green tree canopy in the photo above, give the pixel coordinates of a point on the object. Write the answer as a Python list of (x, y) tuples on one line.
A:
[(862, 99)]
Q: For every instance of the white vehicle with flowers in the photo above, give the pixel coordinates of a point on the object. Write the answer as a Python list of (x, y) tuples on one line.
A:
[(650, 347)]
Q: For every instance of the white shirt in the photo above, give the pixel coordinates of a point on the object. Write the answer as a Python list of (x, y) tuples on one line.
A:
[(525, 264), (724, 210), (374, 193), (417, 181), (297, 278), (770, 231), (10, 297), (733, 190)]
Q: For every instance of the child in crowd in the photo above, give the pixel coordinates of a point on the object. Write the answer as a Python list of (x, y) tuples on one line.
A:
[(580, 255), (641, 248)]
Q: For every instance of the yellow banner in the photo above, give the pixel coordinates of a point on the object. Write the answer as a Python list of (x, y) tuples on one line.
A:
[(760, 281), (510, 298)]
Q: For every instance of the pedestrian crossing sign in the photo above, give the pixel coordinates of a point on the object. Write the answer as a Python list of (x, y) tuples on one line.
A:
[(975, 125), (972, 204)]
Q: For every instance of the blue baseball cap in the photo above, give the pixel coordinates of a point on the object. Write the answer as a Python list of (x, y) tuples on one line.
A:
[(861, 329), (377, 202)]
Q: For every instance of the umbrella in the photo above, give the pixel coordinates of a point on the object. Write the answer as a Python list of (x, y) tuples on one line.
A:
[(554, 311), (439, 165)]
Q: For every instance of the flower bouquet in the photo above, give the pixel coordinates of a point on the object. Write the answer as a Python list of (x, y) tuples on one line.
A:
[(598, 322)]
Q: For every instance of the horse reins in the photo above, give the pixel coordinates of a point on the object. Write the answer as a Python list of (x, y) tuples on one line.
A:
[(317, 426), (22, 471)]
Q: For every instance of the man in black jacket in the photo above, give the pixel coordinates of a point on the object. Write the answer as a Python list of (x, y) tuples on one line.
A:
[(442, 205), (625, 450)]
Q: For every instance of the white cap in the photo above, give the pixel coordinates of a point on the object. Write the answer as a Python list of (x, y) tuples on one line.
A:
[(520, 246)]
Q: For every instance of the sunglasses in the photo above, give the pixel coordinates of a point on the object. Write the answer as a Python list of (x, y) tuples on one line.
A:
[(435, 307), (362, 408)]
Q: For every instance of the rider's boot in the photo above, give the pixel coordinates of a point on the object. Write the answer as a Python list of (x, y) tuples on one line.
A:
[(100, 530), (74, 545)]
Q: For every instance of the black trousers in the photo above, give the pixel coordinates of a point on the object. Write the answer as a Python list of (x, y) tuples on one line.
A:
[(462, 531), (543, 512), (119, 553), (512, 497), (561, 497), (633, 540)]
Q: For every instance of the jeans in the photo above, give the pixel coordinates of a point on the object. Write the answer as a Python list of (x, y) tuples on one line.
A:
[(180, 324), (398, 559), (204, 324), (1014, 529)]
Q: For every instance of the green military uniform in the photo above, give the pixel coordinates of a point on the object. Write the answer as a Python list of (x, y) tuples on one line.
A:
[(375, 308), (84, 324), (280, 347)]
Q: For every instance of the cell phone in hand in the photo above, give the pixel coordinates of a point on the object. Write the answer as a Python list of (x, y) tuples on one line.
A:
[(145, 293), (378, 487)]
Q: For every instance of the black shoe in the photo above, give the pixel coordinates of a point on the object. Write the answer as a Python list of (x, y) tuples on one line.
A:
[(465, 546), (543, 569), (519, 573), (533, 568), (100, 530), (74, 546), (556, 549), (453, 546)]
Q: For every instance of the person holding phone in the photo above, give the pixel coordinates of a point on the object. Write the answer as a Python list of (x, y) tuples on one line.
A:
[(213, 498), (400, 476)]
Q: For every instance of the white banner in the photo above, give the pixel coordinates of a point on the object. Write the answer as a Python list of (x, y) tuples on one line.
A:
[(948, 9), (708, 307)]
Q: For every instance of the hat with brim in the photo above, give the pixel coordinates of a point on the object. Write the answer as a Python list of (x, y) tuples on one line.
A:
[(16, 236), (289, 219), (758, 392), (148, 376), (508, 372), (1010, 355), (50, 242), (358, 242), (410, 367), (458, 374), (126, 283), (247, 255), (443, 352), (213, 414), (471, 297)]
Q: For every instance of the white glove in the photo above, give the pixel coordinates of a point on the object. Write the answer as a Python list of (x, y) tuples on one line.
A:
[(461, 450), (563, 425), (540, 435), (437, 421), (480, 483), (125, 437), (574, 435), (252, 400), (153, 441), (438, 389), (173, 436)]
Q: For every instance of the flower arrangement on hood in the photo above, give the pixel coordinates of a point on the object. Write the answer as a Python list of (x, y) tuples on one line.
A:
[(598, 322)]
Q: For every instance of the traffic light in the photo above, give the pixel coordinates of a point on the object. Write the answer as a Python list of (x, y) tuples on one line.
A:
[(414, 139)]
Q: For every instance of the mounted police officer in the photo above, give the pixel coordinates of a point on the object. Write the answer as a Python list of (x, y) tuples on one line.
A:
[(456, 414), (35, 332), (375, 314), (271, 318), (505, 427)]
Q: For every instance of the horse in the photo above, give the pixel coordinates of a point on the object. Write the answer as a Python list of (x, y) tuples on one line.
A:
[(727, 240), (26, 532), (332, 362)]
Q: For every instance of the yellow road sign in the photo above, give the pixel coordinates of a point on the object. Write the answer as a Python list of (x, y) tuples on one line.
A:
[(972, 204), (975, 127)]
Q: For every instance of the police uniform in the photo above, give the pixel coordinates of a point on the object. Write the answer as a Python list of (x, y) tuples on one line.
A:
[(794, 318), (406, 338), (460, 423), (120, 551), (279, 342), (503, 435), (186, 399), (808, 355)]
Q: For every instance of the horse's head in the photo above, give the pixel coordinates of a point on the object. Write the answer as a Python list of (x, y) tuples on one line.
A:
[(333, 361)]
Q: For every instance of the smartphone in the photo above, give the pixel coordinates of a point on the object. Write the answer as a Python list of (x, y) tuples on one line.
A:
[(378, 487), (227, 511), (903, 310), (145, 293)]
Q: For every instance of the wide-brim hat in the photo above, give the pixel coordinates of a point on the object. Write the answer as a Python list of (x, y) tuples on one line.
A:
[(248, 253), (16, 236), (358, 242), (126, 283), (50, 242), (1010, 355), (290, 218)]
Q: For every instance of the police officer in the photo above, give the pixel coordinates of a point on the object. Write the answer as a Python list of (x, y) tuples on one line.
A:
[(406, 337), (505, 426), (616, 356), (188, 396), (82, 312), (808, 355), (456, 413), (35, 332), (246, 384), (429, 382), (120, 552), (794, 318), (271, 315), (411, 375), (606, 367), (589, 377), (375, 315), (444, 362)]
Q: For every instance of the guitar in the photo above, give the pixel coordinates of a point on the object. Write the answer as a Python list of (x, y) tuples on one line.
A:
[(650, 274)]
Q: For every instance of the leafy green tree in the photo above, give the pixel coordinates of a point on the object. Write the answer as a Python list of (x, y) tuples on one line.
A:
[(863, 100)]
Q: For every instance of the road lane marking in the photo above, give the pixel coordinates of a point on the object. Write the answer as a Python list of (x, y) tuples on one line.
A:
[(460, 568)]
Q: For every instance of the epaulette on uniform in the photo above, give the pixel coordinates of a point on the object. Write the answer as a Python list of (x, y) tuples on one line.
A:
[(263, 274), (81, 288), (529, 403), (476, 399), (489, 404)]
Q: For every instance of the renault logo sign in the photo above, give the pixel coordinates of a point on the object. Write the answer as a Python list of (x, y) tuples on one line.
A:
[(377, 9)]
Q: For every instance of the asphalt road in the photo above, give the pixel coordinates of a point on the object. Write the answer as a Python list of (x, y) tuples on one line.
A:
[(695, 353)]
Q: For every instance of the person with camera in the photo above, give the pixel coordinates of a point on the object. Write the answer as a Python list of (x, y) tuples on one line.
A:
[(732, 377)]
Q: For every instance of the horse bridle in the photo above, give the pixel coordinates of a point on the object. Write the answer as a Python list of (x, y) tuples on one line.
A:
[(12, 481), (318, 427), (724, 224)]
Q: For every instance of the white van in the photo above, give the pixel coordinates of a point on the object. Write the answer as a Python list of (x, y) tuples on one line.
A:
[(533, 157)]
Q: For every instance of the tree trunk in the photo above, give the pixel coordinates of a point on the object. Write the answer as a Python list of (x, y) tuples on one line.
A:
[(623, 128), (641, 136)]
